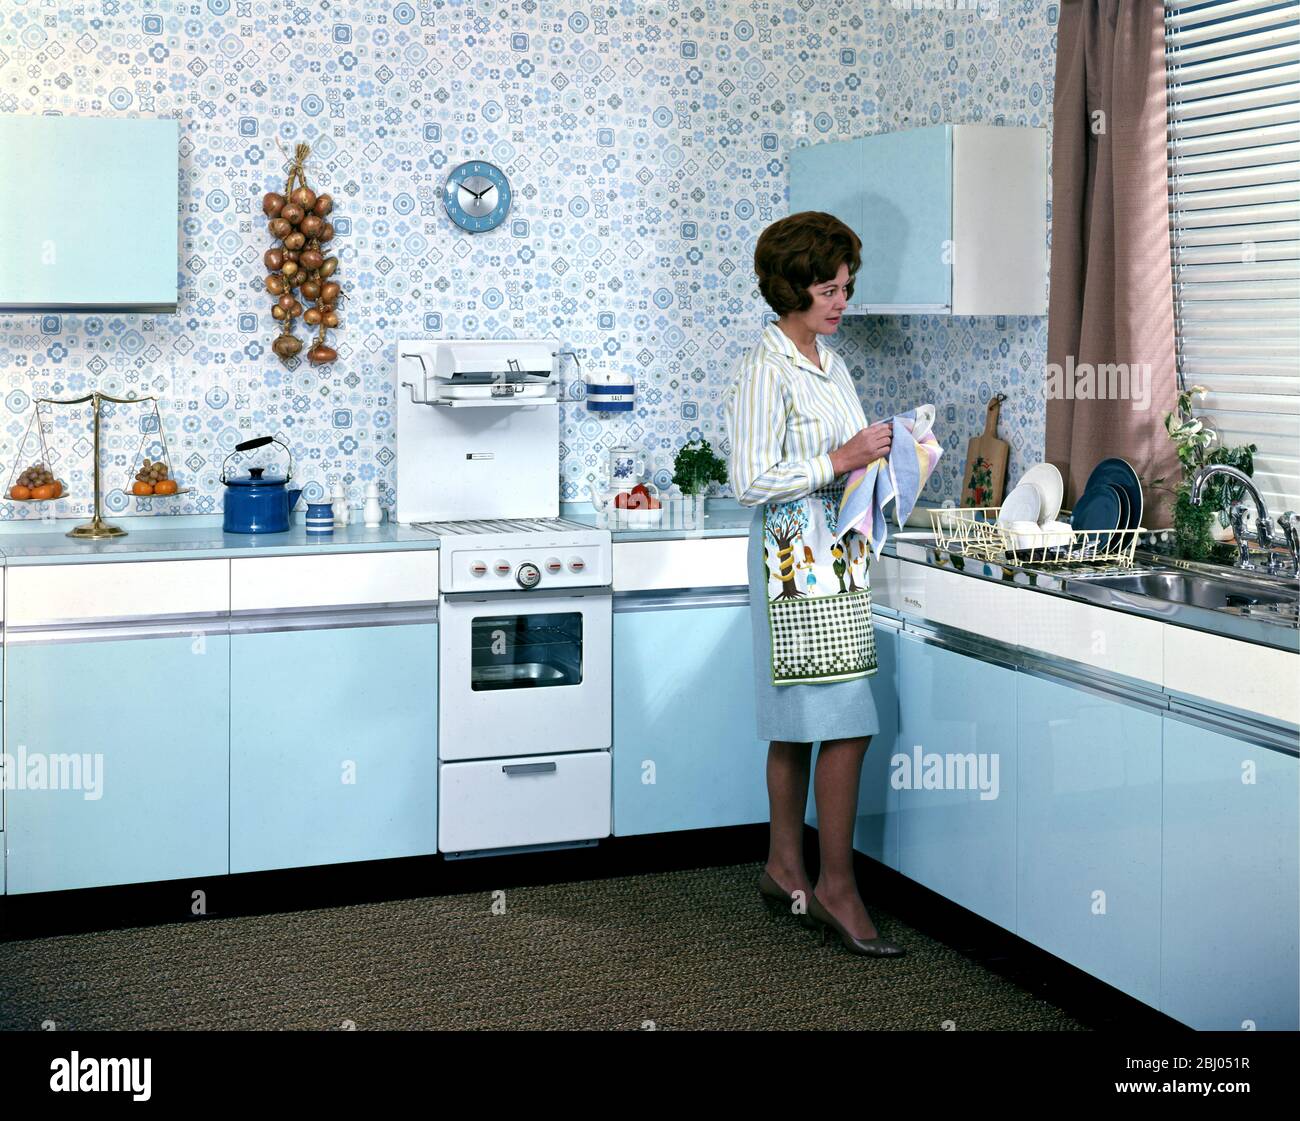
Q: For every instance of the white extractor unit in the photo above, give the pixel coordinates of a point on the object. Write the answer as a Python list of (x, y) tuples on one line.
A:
[(478, 429)]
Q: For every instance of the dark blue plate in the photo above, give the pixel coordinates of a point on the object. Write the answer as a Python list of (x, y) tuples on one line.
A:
[(1098, 508), (1118, 472), (1122, 495)]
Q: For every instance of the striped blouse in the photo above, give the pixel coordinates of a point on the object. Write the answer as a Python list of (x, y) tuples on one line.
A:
[(785, 417)]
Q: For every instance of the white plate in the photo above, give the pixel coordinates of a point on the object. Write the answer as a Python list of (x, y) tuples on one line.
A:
[(1045, 479), (1021, 505)]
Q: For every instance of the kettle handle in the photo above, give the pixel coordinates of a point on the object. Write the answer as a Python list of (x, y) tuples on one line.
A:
[(252, 445)]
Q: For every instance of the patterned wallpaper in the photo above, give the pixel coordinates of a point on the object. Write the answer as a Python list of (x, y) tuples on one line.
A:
[(644, 143)]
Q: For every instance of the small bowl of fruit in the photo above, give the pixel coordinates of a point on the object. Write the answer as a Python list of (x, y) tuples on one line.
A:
[(639, 507), (154, 480), (36, 484)]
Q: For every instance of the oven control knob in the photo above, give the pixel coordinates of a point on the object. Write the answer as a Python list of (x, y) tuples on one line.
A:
[(478, 568), (528, 575), (576, 564), (502, 568), (553, 564)]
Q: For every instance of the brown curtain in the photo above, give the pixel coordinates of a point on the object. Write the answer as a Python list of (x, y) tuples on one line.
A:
[(1111, 302)]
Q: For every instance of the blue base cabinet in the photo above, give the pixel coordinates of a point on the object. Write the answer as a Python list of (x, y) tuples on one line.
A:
[(333, 746), (1088, 863), (151, 718), (1229, 948), (957, 773), (686, 750), (876, 830)]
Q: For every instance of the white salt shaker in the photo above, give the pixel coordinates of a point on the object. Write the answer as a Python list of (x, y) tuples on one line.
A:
[(339, 500), (374, 513)]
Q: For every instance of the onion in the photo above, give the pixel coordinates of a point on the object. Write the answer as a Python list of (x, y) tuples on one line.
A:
[(295, 241), (271, 204), (279, 227), (292, 213), (320, 354), (324, 204), (304, 197)]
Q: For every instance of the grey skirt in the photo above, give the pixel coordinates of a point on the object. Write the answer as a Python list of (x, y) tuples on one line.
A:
[(799, 713)]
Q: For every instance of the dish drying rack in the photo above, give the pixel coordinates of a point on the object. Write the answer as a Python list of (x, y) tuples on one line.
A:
[(973, 531)]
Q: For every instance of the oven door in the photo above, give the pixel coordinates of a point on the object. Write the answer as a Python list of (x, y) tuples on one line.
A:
[(525, 674)]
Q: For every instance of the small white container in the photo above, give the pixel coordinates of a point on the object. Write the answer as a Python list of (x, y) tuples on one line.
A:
[(339, 499), (373, 513)]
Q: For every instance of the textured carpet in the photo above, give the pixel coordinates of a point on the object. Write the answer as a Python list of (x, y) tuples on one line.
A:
[(674, 950)]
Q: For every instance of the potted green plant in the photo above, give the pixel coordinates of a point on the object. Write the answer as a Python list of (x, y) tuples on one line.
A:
[(1194, 525), (694, 468)]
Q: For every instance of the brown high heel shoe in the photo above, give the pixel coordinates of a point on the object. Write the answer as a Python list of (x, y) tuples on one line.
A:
[(780, 901), (869, 947)]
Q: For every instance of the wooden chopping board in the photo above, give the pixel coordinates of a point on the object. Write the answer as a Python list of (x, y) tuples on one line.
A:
[(985, 477)]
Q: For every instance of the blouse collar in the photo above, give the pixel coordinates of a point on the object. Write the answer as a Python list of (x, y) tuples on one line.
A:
[(778, 341)]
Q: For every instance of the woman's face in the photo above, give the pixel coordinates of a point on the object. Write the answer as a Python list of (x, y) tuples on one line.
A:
[(829, 299)]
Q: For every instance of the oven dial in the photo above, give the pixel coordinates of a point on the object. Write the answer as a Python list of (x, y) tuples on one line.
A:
[(528, 575), (576, 564), (502, 568), (478, 568), (553, 565)]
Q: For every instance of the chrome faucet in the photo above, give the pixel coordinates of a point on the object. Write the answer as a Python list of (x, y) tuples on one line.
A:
[(1263, 526)]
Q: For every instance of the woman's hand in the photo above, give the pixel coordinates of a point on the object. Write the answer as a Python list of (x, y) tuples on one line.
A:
[(869, 445)]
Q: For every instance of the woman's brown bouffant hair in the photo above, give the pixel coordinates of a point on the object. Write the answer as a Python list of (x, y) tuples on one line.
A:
[(802, 250)]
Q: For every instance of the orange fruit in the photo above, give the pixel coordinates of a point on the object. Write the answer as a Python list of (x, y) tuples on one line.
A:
[(44, 492), (58, 489), (22, 494), (142, 488), (165, 486)]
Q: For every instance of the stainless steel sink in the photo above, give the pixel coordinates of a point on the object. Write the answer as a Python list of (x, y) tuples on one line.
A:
[(1213, 592)]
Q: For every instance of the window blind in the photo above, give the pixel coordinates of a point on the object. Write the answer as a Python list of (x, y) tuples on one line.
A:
[(1233, 69)]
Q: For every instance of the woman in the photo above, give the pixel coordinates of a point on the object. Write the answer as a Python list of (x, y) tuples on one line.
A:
[(797, 429)]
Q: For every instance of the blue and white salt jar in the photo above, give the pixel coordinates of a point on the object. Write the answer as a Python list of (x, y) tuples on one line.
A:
[(320, 519)]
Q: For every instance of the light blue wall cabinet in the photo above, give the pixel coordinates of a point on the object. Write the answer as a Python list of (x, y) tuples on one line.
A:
[(686, 752), (894, 191), (1229, 942), (333, 745), (1088, 864), (135, 733), (953, 218), (90, 212), (876, 831), (957, 805)]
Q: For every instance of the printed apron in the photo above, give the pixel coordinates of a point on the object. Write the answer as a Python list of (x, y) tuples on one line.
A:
[(819, 600)]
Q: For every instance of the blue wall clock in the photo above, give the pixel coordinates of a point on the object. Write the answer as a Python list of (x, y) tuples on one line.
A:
[(477, 196)]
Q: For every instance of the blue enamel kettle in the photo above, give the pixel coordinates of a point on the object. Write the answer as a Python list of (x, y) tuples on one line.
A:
[(258, 502)]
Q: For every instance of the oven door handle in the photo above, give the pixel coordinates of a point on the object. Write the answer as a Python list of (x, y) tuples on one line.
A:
[(521, 595)]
